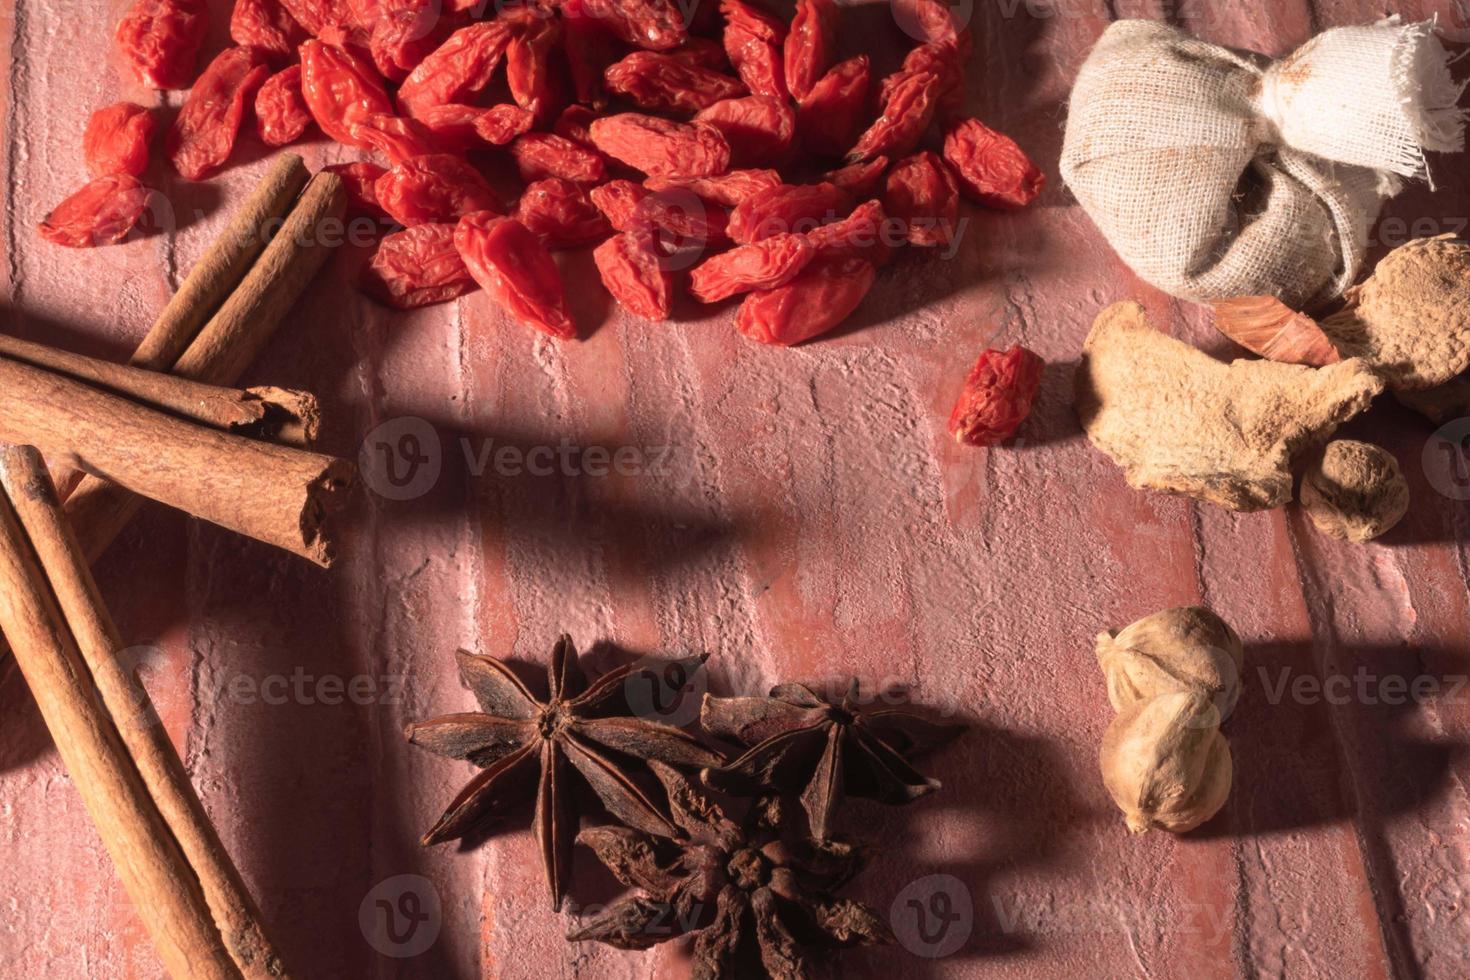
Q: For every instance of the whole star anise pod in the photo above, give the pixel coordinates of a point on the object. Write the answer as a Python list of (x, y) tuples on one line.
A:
[(803, 743), (524, 746), (757, 902)]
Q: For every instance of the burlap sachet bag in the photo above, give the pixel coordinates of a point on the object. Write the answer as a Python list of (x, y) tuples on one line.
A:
[(1217, 173)]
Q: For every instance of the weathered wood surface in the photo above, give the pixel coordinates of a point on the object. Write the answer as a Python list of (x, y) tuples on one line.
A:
[(799, 514)]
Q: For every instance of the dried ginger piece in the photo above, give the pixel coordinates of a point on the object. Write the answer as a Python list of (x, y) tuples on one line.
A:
[(1179, 421), (1355, 492), (1410, 320)]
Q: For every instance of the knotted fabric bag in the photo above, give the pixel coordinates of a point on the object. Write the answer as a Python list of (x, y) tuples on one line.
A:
[(1216, 173)]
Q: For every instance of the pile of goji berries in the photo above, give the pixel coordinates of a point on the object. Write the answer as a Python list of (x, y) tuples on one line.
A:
[(727, 147)]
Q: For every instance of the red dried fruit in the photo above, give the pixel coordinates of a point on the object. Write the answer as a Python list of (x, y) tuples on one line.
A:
[(662, 147), (416, 267), (944, 60), (528, 71), (633, 271), (501, 124), (575, 124), (686, 220), (451, 126), (926, 21), (727, 190), (663, 83), (702, 52), (833, 111), (908, 108), (116, 140), (516, 270), (997, 397), (866, 234), (618, 201), (101, 213), (766, 264), (810, 45), (540, 155), (758, 128), (657, 25), (458, 69), (991, 168), (923, 194), (360, 180), (561, 214), (752, 42), (160, 40), (791, 208), (204, 131), (822, 296), (331, 21), (403, 33), (281, 114), (859, 179), (437, 188), (340, 87), (267, 25), (398, 139), (590, 47)]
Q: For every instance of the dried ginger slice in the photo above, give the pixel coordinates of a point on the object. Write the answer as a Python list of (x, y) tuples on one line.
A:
[(1410, 320), (1179, 421)]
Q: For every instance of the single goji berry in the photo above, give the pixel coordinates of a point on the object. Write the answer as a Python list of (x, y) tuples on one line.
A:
[(943, 60), (589, 47), (810, 45), (397, 138), (267, 25), (823, 295), (116, 140), (561, 214), (540, 155), (529, 75), (866, 234), (991, 168), (499, 125), (101, 213), (664, 83), (859, 179), (923, 194), (662, 147), (657, 25), (765, 264), (512, 265), (686, 220), (451, 126), (790, 208), (752, 42), (997, 397), (403, 33), (435, 188), (332, 21), (926, 21), (618, 201), (160, 40), (281, 114), (361, 180), (758, 128), (835, 108), (702, 52), (575, 124), (339, 87), (908, 108), (458, 69), (633, 270), (727, 190), (416, 267), (203, 133)]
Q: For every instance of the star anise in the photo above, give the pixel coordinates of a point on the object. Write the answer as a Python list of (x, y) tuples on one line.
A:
[(524, 746), (803, 743), (756, 901)]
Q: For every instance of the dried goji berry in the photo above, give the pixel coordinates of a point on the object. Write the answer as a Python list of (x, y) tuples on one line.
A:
[(281, 114), (416, 267), (116, 140), (662, 147), (397, 138), (991, 168), (822, 296), (791, 208), (540, 155), (340, 87), (204, 131), (997, 397), (859, 179), (331, 21), (528, 69), (633, 270), (451, 126), (923, 194), (834, 109), (361, 180), (943, 60), (926, 21), (101, 213), (436, 188), (702, 52), (908, 108), (685, 219), (160, 40), (727, 189), (766, 264), (664, 83), (516, 270), (459, 68), (866, 234), (267, 25), (618, 201), (590, 47), (810, 45), (403, 33), (500, 124), (752, 41), (758, 128), (561, 214), (575, 124), (657, 25)]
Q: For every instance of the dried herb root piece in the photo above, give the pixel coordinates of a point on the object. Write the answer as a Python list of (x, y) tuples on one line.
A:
[(1179, 421), (1355, 491), (1266, 326)]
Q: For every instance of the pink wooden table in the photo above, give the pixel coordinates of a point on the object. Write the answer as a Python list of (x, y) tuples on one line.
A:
[(796, 513)]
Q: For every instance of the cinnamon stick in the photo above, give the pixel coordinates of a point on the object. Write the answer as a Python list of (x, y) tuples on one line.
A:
[(276, 494), (149, 860)]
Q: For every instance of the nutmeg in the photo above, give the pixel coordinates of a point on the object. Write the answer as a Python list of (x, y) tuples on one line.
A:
[(1355, 491)]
